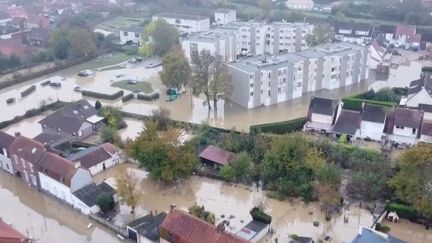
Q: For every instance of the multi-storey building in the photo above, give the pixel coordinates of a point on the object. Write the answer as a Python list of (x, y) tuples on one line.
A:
[(185, 23), (267, 80), (225, 16)]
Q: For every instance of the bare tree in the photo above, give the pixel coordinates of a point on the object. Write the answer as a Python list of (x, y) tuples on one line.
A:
[(127, 189), (219, 85)]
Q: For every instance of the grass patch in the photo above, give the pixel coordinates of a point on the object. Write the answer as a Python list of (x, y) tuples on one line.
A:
[(140, 86)]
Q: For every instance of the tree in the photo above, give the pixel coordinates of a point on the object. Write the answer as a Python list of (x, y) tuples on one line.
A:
[(327, 188), (113, 116), (59, 43), (412, 182), (201, 213), (321, 34), (176, 70), (209, 77), (82, 42), (127, 189), (240, 168), (162, 117), (109, 134), (162, 154), (265, 6), (105, 202), (159, 37)]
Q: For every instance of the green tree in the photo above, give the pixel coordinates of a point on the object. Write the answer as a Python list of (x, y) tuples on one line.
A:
[(82, 42), (162, 117), (98, 105), (176, 70), (105, 202), (201, 213), (110, 134), (265, 6), (162, 154), (412, 182), (240, 169), (159, 37), (321, 34), (113, 116), (220, 83), (127, 189), (59, 43)]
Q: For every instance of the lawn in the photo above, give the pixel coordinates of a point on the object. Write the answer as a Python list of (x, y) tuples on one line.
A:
[(119, 23), (106, 60), (140, 86)]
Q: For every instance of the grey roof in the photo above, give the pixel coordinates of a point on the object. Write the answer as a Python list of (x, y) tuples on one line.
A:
[(49, 138), (256, 63), (5, 140), (414, 89), (370, 236), (408, 117), (373, 113), (93, 155), (347, 123), (90, 194), (180, 16), (255, 226), (354, 27), (148, 226), (135, 29), (211, 36), (224, 10), (323, 106), (71, 117)]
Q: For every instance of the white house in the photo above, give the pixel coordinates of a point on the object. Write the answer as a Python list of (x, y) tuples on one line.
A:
[(5, 19), (353, 32), (86, 198), (419, 92), (146, 229), (224, 16), (348, 123), (300, 4), (131, 35), (185, 23), (403, 126), (97, 158), (372, 123), (322, 114), (61, 178), (5, 162)]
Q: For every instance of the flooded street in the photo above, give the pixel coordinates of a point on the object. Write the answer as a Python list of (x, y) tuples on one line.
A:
[(410, 232), (222, 199), (43, 218)]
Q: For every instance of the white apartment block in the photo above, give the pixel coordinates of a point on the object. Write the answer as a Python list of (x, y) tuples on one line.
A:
[(225, 16), (185, 23), (268, 80), (217, 42)]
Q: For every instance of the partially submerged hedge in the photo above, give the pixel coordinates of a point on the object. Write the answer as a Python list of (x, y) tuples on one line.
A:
[(352, 103), (128, 97), (403, 210), (28, 91), (148, 97), (93, 94), (258, 215), (280, 127)]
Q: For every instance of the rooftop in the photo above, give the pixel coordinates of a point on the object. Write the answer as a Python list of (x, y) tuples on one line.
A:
[(407, 117), (57, 168), (211, 36), (90, 194), (217, 155), (29, 149), (5, 140), (180, 16), (94, 155), (373, 113), (323, 106), (224, 10), (148, 226), (347, 123), (49, 138), (10, 235), (251, 230), (367, 235)]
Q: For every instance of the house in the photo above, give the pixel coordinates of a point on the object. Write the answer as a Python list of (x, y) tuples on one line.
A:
[(181, 227), (37, 37), (406, 35), (131, 35), (86, 198), (14, 46), (11, 235), (419, 92), (38, 21), (348, 123), (5, 162), (77, 120), (53, 141), (300, 4), (254, 231), (372, 122), (146, 229), (322, 114), (60, 177), (224, 16), (426, 131), (403, 126), (185, 23), (26, 154), (215, 156), (5, 19), (97, 158), (387, 31), (15, 11), (368, 235), (379, 52), (357, 33)]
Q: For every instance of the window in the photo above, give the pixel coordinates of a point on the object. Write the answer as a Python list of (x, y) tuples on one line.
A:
[(125, 33), (251, 85), (269, 75), (414, 131), (251, 93), (7, 166), (269, 94), (23, 163), (251, 76)]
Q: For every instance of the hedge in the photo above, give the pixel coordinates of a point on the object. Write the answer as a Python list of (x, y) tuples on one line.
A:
[(28, 91), (114, 96), (403, 210), (351, 103), (258, 215), (128, 97), (280, 127), (148, 97)]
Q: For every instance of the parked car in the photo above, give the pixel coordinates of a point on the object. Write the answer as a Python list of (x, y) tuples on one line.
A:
[(77, 89), (133, 60), (131, 81), (85, 73)]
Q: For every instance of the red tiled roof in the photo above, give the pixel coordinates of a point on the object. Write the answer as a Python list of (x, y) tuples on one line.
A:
[(57, 168), (409, 31), (14, 47), (10, 235), (182, 227), (27, 148), (39, 20), (17, 11), (217, 155)]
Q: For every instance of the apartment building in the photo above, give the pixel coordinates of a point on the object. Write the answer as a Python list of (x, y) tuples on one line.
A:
[(268, 80), (224, 16), (185, 23), (217, 42)]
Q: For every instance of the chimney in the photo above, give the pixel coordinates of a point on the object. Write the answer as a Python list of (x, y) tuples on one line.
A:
[(17, 134), (77, 164), (172, 207)]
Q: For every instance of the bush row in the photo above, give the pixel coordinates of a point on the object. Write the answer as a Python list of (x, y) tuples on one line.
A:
[(127, 98), (93, 94), (258, 215), (148, 97), (403, 210), (280, 127), (28, 91), (351, 103)]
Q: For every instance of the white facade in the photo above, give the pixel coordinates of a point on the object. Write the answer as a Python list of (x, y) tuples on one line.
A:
[(5, 161), (225, 16), (114, 160), (300, 4), (372, 130), (404, 135), (56, 188), (81, 179), (5, 21), (185, 23), (129, 37)]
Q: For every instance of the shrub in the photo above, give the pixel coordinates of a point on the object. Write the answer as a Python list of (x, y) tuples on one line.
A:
[(259, 215), (148, 97), (127, 98), (114, 96), (382, 228), (105, 202), (280, 127), (403, 210), (352, 103), (28, 91)]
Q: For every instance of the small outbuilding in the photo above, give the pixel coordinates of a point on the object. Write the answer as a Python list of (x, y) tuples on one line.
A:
[(215, 156), (146, 229)]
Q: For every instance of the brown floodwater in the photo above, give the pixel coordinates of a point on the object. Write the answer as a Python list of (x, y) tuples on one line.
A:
[(410, 232), (45, 219), (235, 202)]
